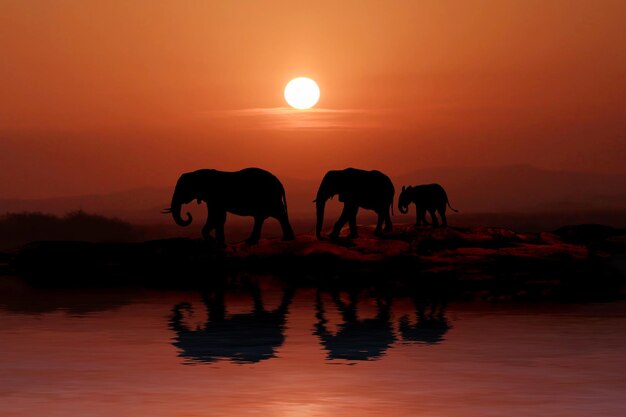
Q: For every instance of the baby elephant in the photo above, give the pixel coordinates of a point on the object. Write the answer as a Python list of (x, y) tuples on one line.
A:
[(428, 197)]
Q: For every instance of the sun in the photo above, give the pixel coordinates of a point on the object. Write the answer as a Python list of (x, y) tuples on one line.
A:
[(302, 93)]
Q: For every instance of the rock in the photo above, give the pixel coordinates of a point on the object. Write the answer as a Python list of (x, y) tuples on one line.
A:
[(587, 233), (472, 258)]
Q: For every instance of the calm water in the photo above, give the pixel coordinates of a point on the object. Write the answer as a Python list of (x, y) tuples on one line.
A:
[(266, 351)]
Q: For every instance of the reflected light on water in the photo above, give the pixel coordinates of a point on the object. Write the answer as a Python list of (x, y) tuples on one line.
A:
[(338, 354)]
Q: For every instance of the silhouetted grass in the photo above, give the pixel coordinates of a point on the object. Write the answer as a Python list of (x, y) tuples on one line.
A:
[(17, 229)]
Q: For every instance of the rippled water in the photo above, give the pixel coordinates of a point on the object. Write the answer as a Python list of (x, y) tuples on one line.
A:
[(269, 351)]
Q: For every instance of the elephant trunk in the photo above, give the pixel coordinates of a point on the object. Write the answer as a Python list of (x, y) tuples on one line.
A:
[(176, 320), (321, 205), (328, 188), (175, 209)]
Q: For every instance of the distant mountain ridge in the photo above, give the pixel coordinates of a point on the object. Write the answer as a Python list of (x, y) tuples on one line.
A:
[(520, 188)]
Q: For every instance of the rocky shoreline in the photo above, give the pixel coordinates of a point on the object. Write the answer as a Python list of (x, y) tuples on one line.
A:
[(584, 261)]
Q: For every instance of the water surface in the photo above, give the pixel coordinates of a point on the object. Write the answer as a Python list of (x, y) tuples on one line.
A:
[(264, 350)]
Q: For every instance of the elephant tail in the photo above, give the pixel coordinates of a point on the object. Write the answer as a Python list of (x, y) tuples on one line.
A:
[(285, 201), (453, 209)]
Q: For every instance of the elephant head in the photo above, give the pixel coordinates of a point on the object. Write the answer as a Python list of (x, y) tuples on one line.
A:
[(331, 184), (405, 199), (186, 191)]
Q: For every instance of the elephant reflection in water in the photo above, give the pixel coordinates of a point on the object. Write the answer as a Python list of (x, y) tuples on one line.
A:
[(355, 339), (429, 327), (242, 338)]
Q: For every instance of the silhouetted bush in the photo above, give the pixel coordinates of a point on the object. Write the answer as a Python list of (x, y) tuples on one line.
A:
[(19, 228)]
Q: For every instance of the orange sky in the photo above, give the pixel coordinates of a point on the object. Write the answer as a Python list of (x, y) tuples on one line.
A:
[(102, 96)]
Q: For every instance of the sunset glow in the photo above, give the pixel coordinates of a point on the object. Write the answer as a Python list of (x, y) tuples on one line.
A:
[(202, 85)]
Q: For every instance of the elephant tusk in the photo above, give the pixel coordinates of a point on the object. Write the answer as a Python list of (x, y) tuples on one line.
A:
[(166, 211)]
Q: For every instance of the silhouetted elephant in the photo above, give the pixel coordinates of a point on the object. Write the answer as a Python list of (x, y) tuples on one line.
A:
[(370, 190), (428, 328), (430, 197), (249, 192), (355, 339), (242, 338)]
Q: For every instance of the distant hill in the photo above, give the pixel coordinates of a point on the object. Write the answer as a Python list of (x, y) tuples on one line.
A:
[(522, 189)]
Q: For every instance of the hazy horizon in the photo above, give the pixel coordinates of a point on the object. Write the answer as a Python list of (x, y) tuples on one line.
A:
[(556, 198)]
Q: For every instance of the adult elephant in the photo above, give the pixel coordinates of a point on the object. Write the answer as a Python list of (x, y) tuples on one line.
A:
[(356, 188), (360, 339), (242, 337), (427, 197), (249, 192)]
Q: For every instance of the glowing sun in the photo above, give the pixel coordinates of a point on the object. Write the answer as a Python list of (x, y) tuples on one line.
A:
[(302, 93)]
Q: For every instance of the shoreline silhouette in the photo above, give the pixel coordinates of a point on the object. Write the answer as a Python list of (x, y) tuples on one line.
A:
[(573, 261), (576, 262)]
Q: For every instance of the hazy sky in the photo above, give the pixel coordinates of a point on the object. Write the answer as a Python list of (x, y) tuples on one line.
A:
[(97, 96)]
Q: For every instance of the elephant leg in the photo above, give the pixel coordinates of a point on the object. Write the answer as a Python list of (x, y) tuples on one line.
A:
[(420, 216), (209, 225), (442, 214), (256, 230), (379, 224), (441, 311), (257, 299), (288, 294), (215, 305), (207, 228), (433, 216), (388, 226), (383, 306), (352, 222), (345, 216), (220, 219), (347, 310), (283, 219)]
